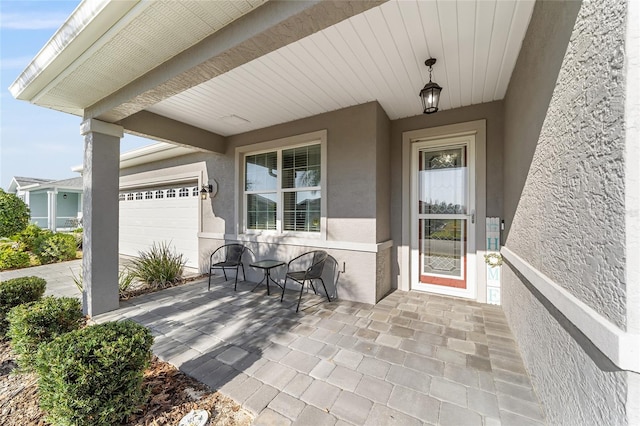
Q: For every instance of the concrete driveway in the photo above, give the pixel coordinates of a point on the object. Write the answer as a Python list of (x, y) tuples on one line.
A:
[(59, 277)]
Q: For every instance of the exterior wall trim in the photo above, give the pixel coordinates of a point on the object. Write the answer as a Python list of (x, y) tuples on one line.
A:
[(621, 347), (302, 242)]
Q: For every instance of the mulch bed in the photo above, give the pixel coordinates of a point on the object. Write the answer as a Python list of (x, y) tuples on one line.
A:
[(172, 395)]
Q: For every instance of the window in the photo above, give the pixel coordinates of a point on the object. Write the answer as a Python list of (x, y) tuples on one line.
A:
[(148, 195), (121, 197), (283, 185), (184, 192), (195, 191), (130, 196), (171, 193), (159, 193), (138, 195)]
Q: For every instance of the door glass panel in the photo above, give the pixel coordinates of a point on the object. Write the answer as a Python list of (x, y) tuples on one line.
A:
[(442, 181), (442, 244), (442, 209)]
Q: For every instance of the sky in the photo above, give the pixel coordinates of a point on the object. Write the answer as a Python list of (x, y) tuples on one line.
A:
[(36, 141)]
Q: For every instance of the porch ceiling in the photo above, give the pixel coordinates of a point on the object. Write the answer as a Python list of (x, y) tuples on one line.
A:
[(377, 53)]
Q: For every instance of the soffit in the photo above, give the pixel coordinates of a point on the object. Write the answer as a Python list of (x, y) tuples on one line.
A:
[(376, 55), (151, 33)]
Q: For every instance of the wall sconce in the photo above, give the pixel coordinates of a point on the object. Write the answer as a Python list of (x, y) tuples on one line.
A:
[(64, 196), (206, 189), (430, 94)]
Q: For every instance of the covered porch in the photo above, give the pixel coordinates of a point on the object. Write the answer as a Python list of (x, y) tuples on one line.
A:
[(311, 135)]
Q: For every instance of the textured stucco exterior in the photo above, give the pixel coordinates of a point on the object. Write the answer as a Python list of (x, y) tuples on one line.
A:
[(570, 215), (564, 202), (575, 383)]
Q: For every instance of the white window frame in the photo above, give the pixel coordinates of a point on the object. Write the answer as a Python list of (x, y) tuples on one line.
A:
[(279, 145)]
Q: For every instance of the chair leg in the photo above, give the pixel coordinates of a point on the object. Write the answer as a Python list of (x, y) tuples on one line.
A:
[(235, 286), (300, 298), (325, 289), (244, 277), (224, 271), (209, 286), (284, 286)]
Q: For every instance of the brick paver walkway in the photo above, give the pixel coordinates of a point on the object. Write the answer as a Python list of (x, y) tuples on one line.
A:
[(413, 358)]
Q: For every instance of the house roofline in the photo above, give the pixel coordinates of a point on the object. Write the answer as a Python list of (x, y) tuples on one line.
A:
[(86, 24), (148, 154)]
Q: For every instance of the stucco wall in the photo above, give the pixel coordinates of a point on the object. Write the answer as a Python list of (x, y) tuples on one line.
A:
[(576, 384), (383, 176), (351, 167), (564, 201), (568, 222)]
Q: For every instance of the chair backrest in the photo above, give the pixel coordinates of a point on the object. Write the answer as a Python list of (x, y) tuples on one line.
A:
[(234, 253), (317, 265)]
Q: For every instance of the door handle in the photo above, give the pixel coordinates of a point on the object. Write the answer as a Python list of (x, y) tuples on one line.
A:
[(473, 216)]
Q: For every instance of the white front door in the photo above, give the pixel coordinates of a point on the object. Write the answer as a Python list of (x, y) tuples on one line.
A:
[(443, 216)]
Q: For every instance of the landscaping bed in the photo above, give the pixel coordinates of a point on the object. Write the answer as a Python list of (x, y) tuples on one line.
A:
[(172, 395)]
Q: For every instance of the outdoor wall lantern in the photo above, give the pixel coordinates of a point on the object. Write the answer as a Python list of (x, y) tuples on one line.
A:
[(206, 189), (430, 94), (64, 196)]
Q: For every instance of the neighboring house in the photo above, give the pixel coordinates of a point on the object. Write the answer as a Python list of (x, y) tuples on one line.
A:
[(53, 204), (150, 212), (309, 129)]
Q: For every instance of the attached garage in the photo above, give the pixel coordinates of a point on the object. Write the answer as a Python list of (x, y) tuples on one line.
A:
[(160, 213)]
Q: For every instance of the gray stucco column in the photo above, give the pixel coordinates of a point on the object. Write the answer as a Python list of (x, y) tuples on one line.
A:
[(100, 216)]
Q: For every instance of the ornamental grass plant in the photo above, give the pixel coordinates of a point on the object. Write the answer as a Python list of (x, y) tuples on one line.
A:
[(159, 267)]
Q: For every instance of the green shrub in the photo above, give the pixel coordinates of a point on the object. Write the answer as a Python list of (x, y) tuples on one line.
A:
[(57, 248), (11, 258), (159, 267), (14, 214), (39, 322), (32, 237), (17, 291), (93, 376)]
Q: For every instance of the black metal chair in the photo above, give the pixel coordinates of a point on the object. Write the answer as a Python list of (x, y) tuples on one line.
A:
[(317, 260), (232, 259)]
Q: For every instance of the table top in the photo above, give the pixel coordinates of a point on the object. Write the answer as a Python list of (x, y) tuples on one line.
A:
[(267, 264)]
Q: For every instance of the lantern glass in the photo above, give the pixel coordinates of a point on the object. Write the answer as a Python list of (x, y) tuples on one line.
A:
[(203, 193), (430, 95)]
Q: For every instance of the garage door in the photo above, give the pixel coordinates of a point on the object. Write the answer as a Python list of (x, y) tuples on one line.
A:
[(161, 213)]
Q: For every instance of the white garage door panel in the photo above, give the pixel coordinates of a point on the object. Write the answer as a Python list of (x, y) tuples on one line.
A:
[(174, 220)]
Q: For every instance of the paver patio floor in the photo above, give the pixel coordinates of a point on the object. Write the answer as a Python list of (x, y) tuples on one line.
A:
[(413, 358)]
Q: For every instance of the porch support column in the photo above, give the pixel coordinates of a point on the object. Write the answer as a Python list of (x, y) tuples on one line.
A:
[(100, 180), (52, 210)]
